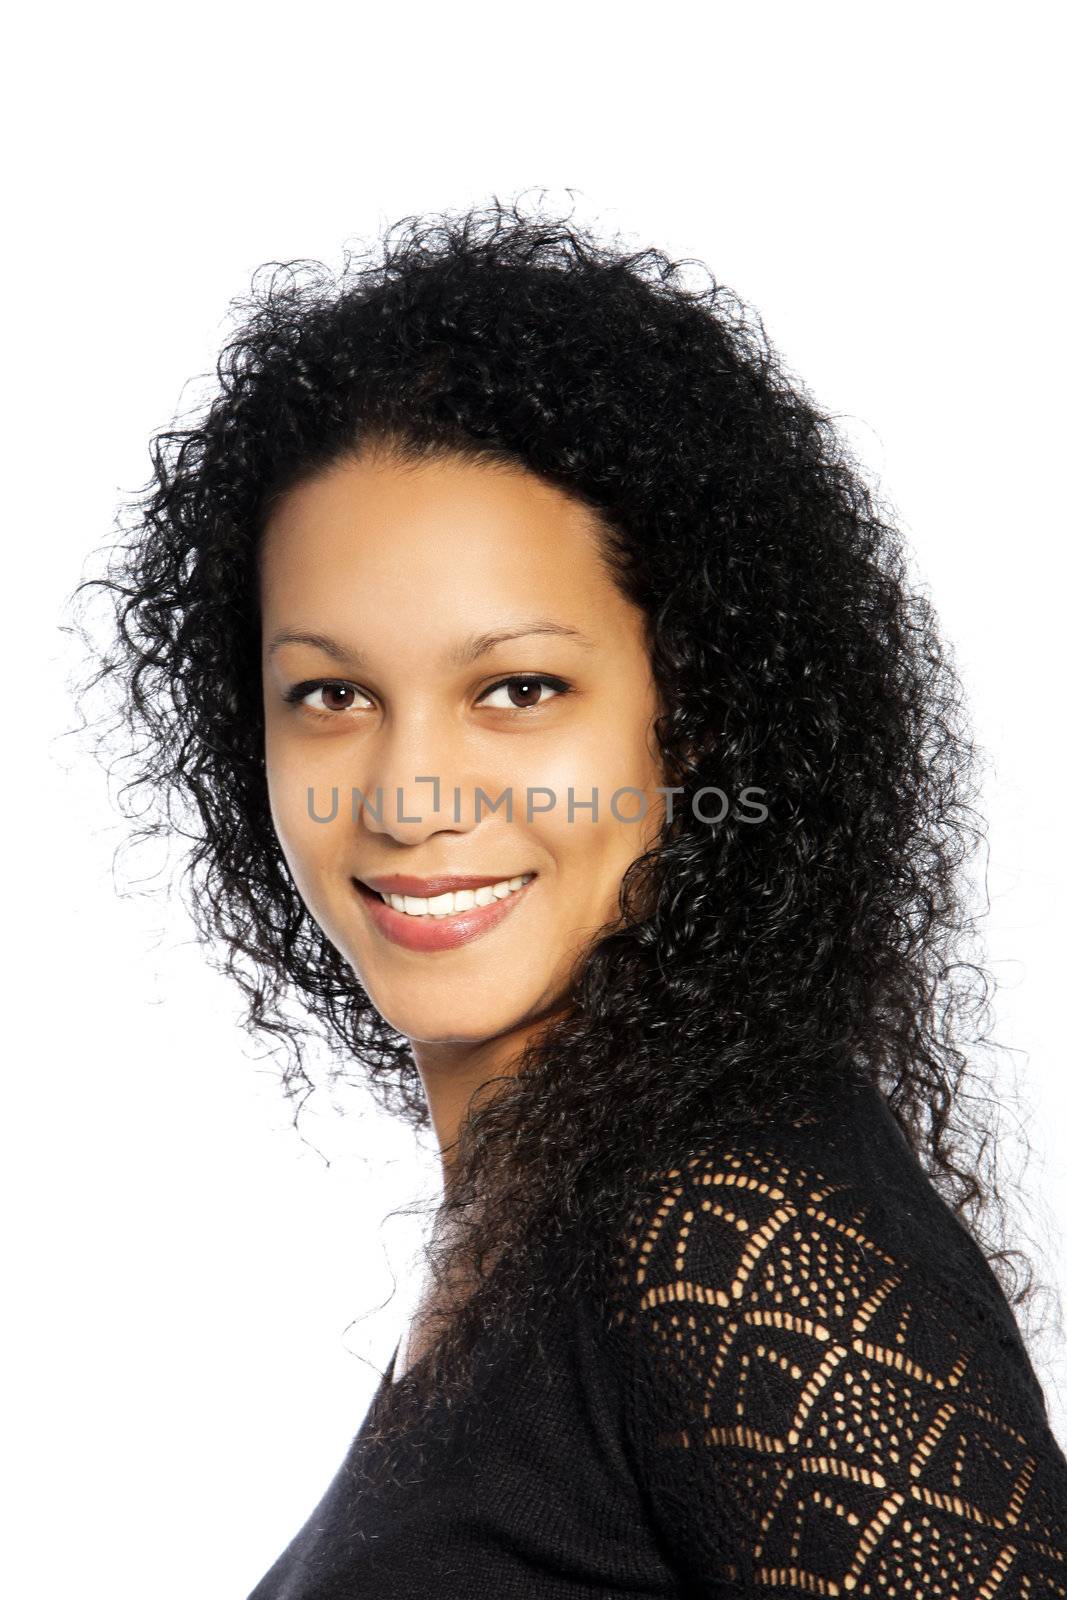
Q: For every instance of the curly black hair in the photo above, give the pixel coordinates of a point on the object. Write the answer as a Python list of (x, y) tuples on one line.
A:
[(752, 971)]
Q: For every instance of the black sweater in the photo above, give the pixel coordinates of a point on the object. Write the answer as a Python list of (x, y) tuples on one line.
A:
[(812, 1384)]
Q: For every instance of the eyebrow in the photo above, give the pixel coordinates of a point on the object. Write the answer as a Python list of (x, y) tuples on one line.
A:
[(463, 655)]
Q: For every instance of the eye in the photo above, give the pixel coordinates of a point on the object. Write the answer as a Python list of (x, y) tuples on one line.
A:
[(329, 691), (525, 687), (332, 697)]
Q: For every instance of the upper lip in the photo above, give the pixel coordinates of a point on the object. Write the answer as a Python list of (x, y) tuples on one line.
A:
[(425, 888)]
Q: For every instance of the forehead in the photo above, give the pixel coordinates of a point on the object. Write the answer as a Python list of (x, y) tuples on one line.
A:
[(382, 531)]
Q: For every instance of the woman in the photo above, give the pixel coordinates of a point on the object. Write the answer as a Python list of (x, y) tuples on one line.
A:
[(561, 731)]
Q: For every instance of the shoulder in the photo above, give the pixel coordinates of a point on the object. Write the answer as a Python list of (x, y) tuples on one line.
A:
[(823, 1360), (827, 1227)]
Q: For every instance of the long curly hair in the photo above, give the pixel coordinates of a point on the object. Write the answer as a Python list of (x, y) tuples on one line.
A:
[(752, 971)]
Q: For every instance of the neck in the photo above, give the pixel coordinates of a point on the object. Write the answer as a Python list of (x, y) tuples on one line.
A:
[(452, 1073)]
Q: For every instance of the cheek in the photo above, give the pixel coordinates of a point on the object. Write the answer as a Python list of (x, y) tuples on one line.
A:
[(614, 760), (595, 853), (303, 839)]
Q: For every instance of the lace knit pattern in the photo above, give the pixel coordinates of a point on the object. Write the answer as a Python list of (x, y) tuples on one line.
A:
[(830, 1417)]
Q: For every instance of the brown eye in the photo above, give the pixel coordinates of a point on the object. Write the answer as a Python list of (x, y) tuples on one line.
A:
[(525, 692), (337, 696), (324, 694)]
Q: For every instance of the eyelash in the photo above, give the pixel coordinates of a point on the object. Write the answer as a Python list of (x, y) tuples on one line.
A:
[(300, 691)]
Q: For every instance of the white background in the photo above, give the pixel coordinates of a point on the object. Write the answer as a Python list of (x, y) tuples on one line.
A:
[(184, 1274)]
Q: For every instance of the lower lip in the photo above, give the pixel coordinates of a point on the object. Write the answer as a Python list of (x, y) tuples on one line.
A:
[(438, 933)]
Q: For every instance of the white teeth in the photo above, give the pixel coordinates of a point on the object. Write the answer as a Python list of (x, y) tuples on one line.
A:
[(446, 905)]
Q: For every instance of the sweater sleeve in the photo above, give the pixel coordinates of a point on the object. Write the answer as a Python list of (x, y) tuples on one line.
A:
[(814, 1412)]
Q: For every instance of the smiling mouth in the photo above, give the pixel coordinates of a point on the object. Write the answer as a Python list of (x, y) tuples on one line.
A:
[(435, 908)]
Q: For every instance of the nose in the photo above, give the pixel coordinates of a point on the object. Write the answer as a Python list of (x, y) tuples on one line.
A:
[(414, 781)]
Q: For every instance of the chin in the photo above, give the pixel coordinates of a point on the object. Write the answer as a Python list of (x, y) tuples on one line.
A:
[(423, 1021), (461, 1029)]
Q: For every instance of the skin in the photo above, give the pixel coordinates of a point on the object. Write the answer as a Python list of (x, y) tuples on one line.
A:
[(404, 562)]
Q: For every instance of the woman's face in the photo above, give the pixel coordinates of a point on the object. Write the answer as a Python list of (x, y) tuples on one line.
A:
[(399, 573)]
